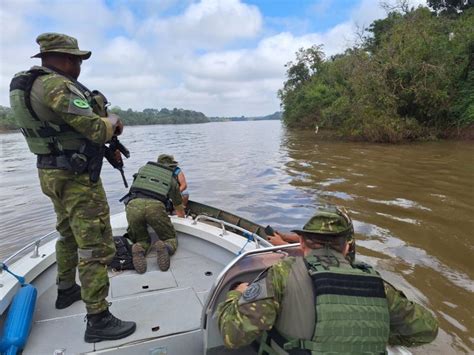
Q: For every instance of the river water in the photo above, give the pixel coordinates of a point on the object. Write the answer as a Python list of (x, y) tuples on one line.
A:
[(412, 205)]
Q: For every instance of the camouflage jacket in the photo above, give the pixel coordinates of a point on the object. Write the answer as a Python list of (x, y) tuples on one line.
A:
[(241, 322), (57, 99)]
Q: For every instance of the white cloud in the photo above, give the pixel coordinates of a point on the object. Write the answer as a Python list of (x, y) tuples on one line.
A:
[(214, 56), (210, 23)]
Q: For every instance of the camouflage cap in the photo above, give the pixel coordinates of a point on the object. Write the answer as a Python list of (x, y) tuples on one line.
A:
[(59, 43), (328, 220), (167, 160)]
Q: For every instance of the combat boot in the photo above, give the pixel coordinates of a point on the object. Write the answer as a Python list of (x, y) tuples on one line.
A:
[(162, 255), (68, 296), (138, 258), (104, 326)]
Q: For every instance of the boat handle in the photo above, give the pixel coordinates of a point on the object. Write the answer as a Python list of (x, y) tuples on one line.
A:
[(36, 244), (223, 224)]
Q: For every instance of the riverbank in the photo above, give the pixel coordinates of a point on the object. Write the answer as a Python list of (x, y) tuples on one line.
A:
[(329, 135), (410, 79)]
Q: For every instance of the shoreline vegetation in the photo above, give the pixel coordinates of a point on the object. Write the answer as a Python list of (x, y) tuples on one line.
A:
[(148, 116), (409, 78)]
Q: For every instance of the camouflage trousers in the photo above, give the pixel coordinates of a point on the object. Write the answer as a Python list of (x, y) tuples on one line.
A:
[(143, 212), (83, 221)]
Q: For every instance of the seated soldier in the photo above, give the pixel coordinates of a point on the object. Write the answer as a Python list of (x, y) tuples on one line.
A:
[(168, 160), (151, 189), (322, 303)]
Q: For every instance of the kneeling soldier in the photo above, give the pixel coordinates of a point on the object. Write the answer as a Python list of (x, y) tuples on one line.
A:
[(152, 187)]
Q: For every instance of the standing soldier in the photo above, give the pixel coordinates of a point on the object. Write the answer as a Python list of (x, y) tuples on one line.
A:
[(322, 303), (59, 119), (153, 186)]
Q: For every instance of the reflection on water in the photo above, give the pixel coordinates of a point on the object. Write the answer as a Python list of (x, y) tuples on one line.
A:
[(411, 204)]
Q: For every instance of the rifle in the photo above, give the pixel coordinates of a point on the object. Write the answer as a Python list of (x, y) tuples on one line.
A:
[(113, 154)]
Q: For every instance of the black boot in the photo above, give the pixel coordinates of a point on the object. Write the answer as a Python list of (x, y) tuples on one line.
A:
[(104, 326), (68, 296)]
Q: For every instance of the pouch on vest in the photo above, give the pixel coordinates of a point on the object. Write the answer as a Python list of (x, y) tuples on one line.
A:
[(123, 256)]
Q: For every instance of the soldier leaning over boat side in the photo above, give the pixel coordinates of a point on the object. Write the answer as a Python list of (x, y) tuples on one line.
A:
[(153, 186), (178, 174), (322, 303), (58, 120)]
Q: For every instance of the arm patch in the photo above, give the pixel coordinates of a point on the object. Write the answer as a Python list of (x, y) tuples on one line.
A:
[(256, 291), (78, 104)]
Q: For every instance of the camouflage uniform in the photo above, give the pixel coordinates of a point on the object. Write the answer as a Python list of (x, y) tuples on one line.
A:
[(83, 218), (143, 212), (243, 318), (243, 322)]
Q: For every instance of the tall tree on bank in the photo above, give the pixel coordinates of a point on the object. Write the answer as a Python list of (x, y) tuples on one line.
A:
[(410, 79)]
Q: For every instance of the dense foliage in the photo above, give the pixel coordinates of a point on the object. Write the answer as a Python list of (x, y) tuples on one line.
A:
[(7, 120), (411, 78), (163, 116)]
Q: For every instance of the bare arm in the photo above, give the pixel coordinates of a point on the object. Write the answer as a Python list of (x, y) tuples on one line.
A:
[(177, 199), (182, 182), (280, 238)]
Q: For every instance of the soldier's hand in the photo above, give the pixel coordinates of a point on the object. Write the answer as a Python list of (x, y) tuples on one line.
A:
[(277, 239), (242, 287), (117, 155), (116, 123)]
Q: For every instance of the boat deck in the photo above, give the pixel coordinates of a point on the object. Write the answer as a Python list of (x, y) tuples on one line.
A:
[(166, 305)]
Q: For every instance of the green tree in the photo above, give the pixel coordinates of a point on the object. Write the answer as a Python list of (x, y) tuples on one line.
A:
[(450, 7), (411, 79)]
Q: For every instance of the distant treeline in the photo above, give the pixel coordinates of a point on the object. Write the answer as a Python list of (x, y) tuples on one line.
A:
[(148, 116), (274, 116), (7, 120), (411, 78), (151, 116)]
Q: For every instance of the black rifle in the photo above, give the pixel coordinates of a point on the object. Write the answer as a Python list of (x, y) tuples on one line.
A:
[(113, 152), (114, 158)]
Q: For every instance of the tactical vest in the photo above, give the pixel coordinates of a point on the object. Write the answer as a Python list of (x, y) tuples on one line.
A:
[(153, 180), (351, 313), (42, 135)]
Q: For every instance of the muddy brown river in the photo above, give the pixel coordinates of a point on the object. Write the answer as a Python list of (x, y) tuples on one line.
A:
[(412, 205)]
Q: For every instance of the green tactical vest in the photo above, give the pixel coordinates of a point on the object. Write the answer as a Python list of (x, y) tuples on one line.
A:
[(352, 314), (153, 180), (42, 135)]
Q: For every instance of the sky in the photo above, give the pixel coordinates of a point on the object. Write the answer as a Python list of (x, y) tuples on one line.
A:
[(219, 57)]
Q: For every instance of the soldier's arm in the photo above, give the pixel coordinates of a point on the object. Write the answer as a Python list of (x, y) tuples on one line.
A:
[(183, 185), (175, 196), (243, 317), (410, 323), (68, 102)]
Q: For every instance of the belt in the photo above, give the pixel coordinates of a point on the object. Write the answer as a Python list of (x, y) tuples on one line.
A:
[(53, 162), (140, 194)]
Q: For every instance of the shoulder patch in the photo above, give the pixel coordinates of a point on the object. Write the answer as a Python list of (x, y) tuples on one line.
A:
[(80, 103), (256, 291), (252, 292)]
